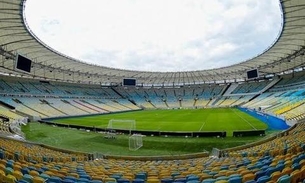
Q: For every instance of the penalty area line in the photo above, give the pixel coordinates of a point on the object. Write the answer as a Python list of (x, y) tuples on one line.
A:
[(202, 126), (244, 119)]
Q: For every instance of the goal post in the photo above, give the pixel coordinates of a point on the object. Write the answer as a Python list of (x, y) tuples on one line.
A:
[(122, 124), (135, 142)]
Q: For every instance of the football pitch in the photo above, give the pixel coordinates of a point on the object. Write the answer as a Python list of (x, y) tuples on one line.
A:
[(179, 120), (184, 120)]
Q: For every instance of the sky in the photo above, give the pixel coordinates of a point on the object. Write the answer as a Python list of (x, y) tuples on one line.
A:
[(156, 35)]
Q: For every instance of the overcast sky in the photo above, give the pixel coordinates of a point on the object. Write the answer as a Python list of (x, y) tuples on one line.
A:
[(157, 35)]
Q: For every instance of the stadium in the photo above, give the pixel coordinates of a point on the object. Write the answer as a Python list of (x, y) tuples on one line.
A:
[(64, 120)]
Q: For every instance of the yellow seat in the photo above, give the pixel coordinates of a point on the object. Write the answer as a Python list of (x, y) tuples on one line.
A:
[(2, 175), (18, 174), (287, 171), (276, 175), (303, 173), (2, 167), (153, 180), (34, 173), (109, 179), (49, 173), (296, 176), (249, 176), (10, 179), (98, 177), (38, 180), (73, 175)]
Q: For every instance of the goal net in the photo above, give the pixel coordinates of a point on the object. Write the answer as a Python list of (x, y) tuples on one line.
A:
[(135, 142), (120, 124)]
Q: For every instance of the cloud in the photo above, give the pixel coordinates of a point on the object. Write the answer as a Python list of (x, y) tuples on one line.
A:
[(156, 35)]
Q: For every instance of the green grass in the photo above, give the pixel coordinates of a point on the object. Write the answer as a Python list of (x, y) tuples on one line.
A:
[(78, 140), (163, 120), (195, 120)]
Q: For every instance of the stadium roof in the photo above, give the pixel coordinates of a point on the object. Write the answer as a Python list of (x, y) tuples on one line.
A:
[(286, 55)]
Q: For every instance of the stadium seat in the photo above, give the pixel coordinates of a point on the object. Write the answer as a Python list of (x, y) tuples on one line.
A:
[(9, 179), (95, 181), (167, 180), (284, 179), (296, 176), (8, 170), (37, 179), (153, 180), (22, 181), (138, 180), (83, 180), (287, 171), (235, 180), (122, 180), (54, 179), (263, 179), (276, 175), (109, 180), (27, 177), (141, 176), (210, 180)]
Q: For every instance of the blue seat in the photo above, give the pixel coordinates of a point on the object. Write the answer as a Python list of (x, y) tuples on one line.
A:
[(213, 173), (96, 181), (263, 179), (138, 181), (140, 176), (259, 174), (208, 180), (44, 176), (71, 178), (68, 181), (270, 170), (54, 179), (22, 181), (116, 176), (27, 178), (192, 177), (85, 176), (224, 167), (25, 170), (280, 167), (235, 180), (181, 180), (8, 170), (222, 178), (174, 174), (301, 156), (31, 168), (296, 166), (234, 175), (2, 154), (193, 181), (167, 180), (83, 180), (123, 180), (284, 179), (40, 170), (10, 164)]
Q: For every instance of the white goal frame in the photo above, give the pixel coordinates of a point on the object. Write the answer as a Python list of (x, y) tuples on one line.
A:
[(135, 142), (131, 126)]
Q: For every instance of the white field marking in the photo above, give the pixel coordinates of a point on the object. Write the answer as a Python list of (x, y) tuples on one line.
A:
[(202, 126), (244, 119)]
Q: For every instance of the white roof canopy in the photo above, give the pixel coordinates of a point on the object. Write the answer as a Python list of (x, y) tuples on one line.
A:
[(284, 56)]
